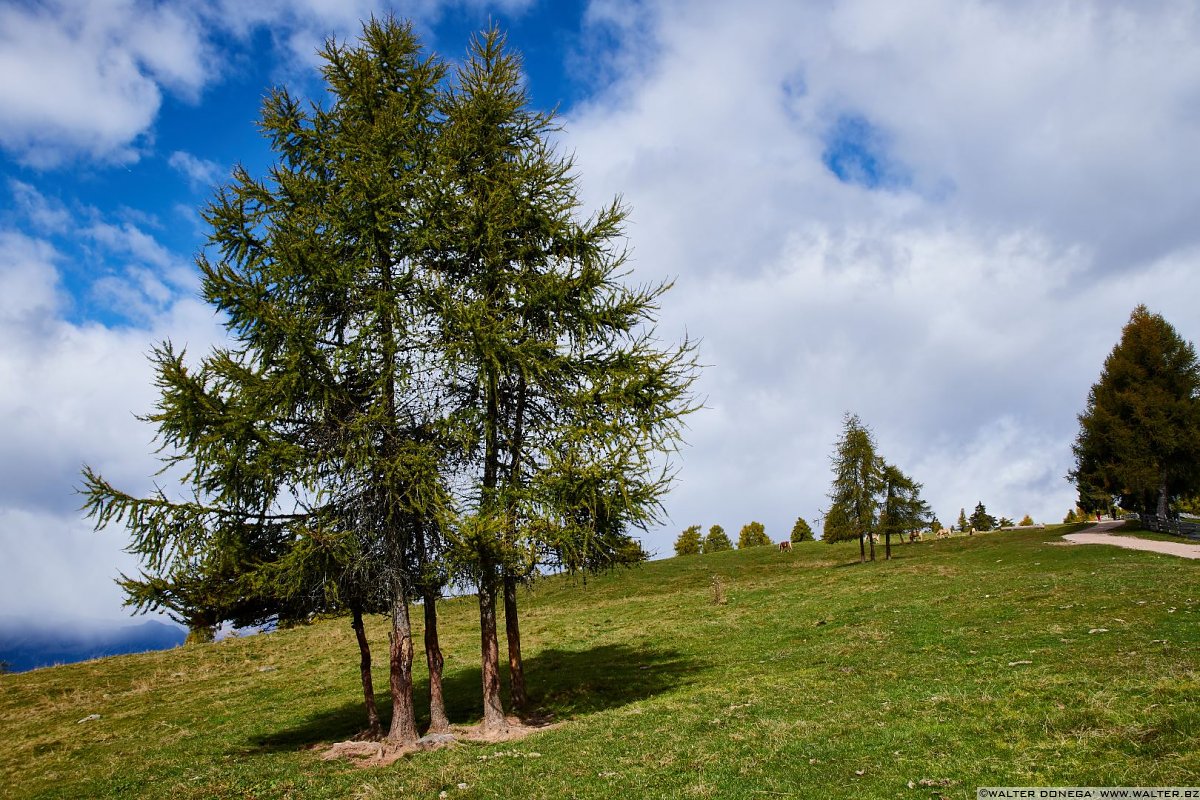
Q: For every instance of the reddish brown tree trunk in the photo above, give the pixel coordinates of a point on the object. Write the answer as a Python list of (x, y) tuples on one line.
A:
[(438, 722), (493, 707), (374, 726), (404, 724), (516, 670)]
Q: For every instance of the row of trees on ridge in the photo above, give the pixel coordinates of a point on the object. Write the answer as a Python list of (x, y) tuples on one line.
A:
[(753, 534)]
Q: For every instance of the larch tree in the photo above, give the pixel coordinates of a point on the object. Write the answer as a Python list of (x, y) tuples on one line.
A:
[(981, 520), (308, 441), (752, 534), (688, 543), (1139, 436), (801, 531), (963, 523), (559, 392), (902, 509), (717, 540), (857, 481), (837, 527)]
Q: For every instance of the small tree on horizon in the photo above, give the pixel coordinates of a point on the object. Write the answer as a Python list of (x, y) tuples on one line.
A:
[(963, 524), (716, 540), (1071, 517), (801, 531), (1026, 520), (752, 535), (688, 543), (935, 524), (981, 520)]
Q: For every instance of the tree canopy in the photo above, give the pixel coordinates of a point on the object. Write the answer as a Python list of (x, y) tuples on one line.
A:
[(980, 519), (716, 540), (1139, 436), (688, 543), (753, 534), (801, 531), (437, 369)]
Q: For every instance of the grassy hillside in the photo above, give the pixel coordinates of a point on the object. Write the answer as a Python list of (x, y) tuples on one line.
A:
[(999, 659)]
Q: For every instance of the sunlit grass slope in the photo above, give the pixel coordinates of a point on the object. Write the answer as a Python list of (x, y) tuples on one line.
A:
[(1002, 659)]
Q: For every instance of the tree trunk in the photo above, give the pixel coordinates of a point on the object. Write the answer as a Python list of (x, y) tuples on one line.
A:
[(862, 549), (438, 722), (1162, 500), (516, 670), (493, 708), (404, 724), (374, 726), (887, 546), (871, 536)]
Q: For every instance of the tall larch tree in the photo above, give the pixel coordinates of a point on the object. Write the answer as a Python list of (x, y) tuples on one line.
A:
[(309, 438), (559, 393), (857, 481), (1139, 436)]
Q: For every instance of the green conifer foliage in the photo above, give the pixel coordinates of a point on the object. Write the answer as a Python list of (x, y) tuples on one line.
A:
[(801, 531), (857, 482), (717, 540), (688, 543), (981, 520), (752, 534), (1139, 437)]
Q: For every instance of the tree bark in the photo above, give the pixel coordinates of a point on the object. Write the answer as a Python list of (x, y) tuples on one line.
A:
[(887, 546), (516, 669), (493, 707), (404, 724), (1162, 500), (374, 726), (871, 537), (438, 722), (862, 549)]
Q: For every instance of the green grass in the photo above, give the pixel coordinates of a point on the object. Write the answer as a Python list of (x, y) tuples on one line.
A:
[(997, 659)]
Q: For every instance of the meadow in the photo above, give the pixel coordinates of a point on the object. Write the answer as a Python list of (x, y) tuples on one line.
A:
[(999, 659)]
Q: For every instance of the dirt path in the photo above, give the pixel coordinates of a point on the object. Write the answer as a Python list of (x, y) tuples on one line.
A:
[(1098, 534)]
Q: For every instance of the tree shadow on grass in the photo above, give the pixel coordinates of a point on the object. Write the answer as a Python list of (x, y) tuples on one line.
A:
[(560, 684)]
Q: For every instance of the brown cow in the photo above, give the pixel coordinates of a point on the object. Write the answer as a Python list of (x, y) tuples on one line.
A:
[(785, 546)]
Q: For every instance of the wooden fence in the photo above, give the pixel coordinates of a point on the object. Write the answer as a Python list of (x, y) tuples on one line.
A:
[(1173, 526)]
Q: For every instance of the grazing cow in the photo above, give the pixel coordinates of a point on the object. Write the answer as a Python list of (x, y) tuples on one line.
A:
[(785, 545), (914, 536), (944, 533)]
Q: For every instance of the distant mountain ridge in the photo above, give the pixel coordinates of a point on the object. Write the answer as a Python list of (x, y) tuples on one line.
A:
[(26, 645)]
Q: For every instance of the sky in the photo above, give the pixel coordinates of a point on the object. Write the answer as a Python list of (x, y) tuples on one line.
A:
[(935, 214)]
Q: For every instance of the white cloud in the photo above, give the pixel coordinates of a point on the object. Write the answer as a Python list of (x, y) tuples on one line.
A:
[(88, 78), (69, 394), (200, 172), (43, 214), (1050, 149)]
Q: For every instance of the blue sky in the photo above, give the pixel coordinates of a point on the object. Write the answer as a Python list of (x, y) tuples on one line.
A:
[(937, 215)]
